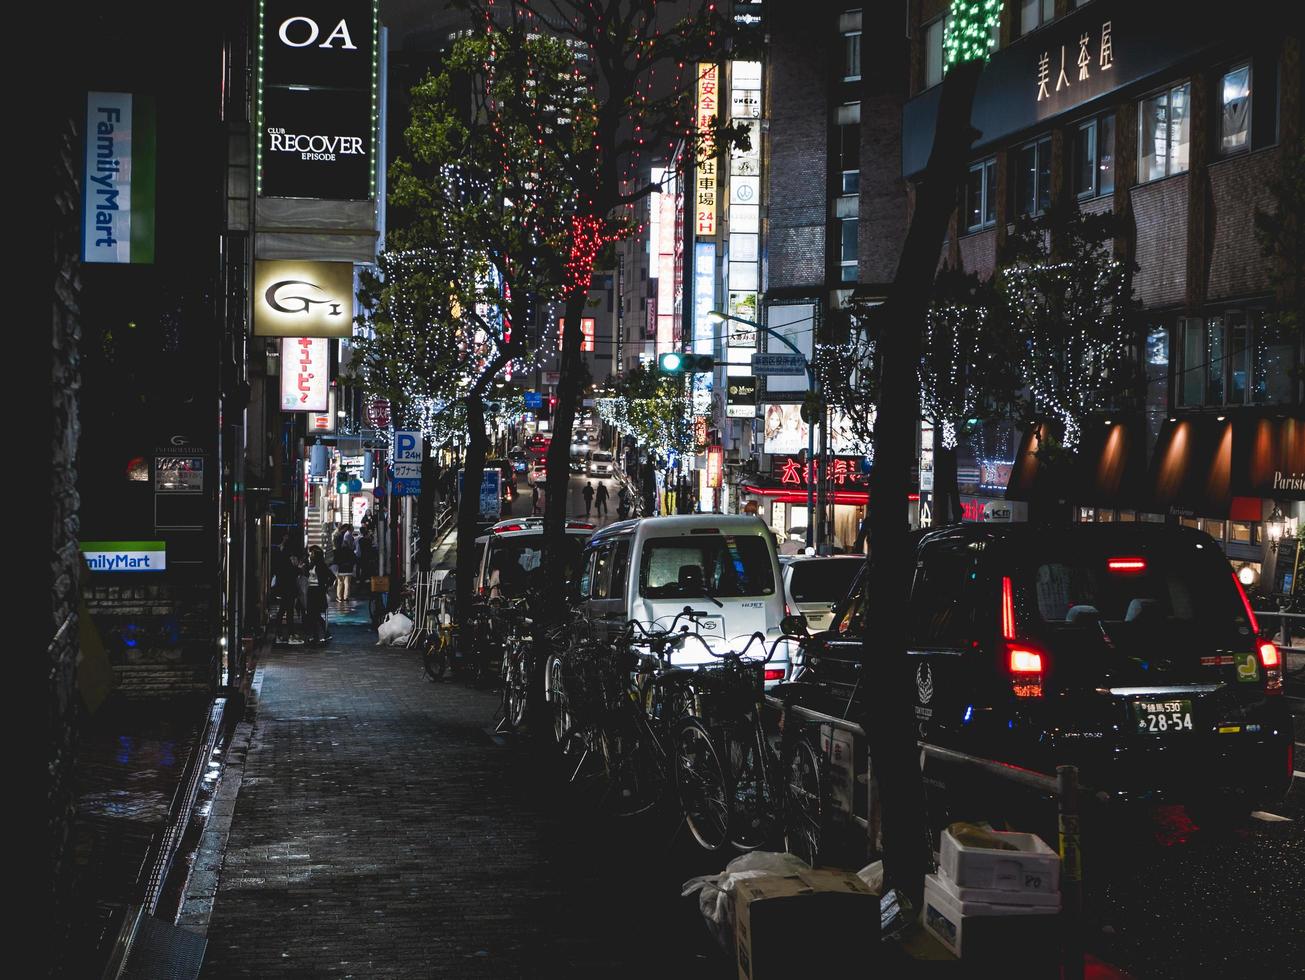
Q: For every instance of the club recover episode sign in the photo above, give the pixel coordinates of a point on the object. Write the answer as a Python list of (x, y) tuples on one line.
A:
[(125, 556)]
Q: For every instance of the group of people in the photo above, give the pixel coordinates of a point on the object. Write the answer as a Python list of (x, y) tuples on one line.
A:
[(301, 582)]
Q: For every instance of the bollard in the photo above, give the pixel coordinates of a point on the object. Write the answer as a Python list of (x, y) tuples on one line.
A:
[(1071, 872)]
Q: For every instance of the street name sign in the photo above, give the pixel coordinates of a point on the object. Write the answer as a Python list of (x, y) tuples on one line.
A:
[(768, 364)]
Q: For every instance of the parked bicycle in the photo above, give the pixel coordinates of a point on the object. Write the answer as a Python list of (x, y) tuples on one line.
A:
[(738, 784)]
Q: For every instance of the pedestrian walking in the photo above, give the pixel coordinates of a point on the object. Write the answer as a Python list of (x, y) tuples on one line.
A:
[(345, 560), (534, 499), (623, 504), (285, 588), (318, 579), (600, 499), (589, 498)]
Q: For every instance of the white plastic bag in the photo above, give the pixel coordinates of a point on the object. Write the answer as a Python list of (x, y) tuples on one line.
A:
[(716, 892), (394, 630)]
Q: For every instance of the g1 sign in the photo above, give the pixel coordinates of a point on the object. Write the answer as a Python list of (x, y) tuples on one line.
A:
[(303, 299)]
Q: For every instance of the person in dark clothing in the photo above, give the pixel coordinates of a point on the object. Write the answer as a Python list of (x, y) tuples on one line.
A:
[(623, 504), (320, 579), (588, 493), (600, 499), (534, 499), (285, 588)]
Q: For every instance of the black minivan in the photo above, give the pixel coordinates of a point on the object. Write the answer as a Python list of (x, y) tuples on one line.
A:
[(1129, 650)]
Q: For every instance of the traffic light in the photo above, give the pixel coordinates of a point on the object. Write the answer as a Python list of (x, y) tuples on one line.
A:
[(677, 363)]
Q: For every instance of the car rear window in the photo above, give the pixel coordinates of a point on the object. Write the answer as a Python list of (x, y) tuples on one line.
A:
[(822, 581), (519, 555), (723, 565), (1153, 587)]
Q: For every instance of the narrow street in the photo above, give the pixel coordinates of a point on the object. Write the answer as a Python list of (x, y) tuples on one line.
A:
[(382, 829)]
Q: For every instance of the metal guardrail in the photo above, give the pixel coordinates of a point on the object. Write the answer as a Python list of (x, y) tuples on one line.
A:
[(163, 849)]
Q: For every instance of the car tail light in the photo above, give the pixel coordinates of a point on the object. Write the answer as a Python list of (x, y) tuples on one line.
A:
[(1127, 566), (1007, 609), (1026, 670), (510, 527), (774, 673), (1271, 660)]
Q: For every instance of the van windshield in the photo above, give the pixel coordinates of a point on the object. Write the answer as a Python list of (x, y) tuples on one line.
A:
[(519, 559), (601, 457), (724, 565)]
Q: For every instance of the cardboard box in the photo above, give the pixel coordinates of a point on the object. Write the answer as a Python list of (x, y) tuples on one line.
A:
[(1031, 867), (804, 923), (1022, 939)]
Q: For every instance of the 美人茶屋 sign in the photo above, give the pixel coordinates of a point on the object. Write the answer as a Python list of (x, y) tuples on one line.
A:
[(317, 99), (118, 182), (303, 299)]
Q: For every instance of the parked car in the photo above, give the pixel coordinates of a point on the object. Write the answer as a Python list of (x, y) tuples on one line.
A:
[(723, 567), (538, 472), (1128, 650), (815, 585), (600, 464), (515, 547)]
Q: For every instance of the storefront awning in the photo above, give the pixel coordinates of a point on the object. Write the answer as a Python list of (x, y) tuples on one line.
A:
[(1268, 457), (1108, 470)]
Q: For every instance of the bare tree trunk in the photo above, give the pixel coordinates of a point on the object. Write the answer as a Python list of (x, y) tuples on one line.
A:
[(889, 721), (559, 453), (469, 500)]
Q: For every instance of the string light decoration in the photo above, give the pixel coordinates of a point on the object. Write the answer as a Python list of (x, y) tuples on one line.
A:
[(848, 377), (969, 32), (1070, 316), (951, 353)]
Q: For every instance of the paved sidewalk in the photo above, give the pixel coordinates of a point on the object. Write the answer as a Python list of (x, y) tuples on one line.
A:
[(381, 830)]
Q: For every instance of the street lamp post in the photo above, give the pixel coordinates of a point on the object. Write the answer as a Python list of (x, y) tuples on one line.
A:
[(717, 316)]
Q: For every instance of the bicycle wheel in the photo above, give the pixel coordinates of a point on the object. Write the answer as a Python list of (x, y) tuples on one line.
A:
[(433, 658), (804, 812), (752, 807), (514, 687), (557, 704), (700, 785)]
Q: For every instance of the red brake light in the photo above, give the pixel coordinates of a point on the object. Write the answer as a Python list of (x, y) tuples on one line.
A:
[(1269, 655), (510, 527), (1126, 565), (774, 673), (1246, 603), (1007, 609), (1025, 661)]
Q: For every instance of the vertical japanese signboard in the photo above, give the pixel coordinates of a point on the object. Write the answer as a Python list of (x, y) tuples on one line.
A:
[(705, 190), (317, 106), (305, 374), (118, 185), (743, 209)]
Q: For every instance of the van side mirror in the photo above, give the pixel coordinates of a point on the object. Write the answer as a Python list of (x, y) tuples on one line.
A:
[(793, 625)]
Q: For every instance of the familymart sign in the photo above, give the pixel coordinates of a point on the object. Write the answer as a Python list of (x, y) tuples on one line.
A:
[(125, 556), (118, 182)]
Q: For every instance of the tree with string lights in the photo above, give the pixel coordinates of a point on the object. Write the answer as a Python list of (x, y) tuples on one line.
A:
[(479, 226), (968, 372), (1068, 301), (634, 68)]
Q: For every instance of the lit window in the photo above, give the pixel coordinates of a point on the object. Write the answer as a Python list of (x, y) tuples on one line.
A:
[(981, 195), (933, 50), (1035, 13), (1235, 124), (1164, 128), (851, 57), (1033, 177), (1094, 158)]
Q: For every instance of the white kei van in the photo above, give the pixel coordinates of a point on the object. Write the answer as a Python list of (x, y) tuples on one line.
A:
[(724, 567)]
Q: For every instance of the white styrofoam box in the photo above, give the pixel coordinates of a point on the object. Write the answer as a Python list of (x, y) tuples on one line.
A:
[(996, 896), (945, 916), (1032, 867)]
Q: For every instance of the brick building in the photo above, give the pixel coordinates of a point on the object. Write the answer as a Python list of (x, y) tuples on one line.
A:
[(1177, 121)]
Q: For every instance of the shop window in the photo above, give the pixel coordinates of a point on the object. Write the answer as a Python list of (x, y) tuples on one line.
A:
[(1035, 13), (1213, 528), (1164, 131), (933, 50), (1105, 516), (1151, 518), (1094, 158), (1193, 522), (1033, 177), (1235, 118), (1273, 360), (981, 195), (1191, 370), (1238, 357), (847, 249), (1239, 533), (1127, 516)]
